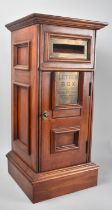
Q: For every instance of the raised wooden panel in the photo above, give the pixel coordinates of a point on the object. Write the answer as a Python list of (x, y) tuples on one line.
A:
[(22, 114), (63, 139), (22, 76), (22, 55), (73, 112)]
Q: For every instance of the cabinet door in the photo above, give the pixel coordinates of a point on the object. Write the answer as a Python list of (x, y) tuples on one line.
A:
[(65, 107)]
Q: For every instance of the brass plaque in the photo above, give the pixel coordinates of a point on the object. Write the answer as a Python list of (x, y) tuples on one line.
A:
[(66, 87)]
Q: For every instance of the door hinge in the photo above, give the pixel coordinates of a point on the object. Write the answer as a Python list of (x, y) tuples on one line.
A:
[(86, 147), (90, 87)]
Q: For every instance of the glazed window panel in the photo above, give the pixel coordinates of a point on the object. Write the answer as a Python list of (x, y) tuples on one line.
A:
[(66, 88)]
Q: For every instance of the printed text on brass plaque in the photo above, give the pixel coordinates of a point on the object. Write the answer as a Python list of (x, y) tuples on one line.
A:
[(66, 84)]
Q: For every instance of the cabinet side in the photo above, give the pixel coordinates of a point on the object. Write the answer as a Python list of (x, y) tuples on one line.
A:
[(24, 44)]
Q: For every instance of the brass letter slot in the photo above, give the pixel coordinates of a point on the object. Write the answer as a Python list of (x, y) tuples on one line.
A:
[(67, 48)]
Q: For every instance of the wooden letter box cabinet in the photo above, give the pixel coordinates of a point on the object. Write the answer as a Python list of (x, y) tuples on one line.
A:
[(53, 64)]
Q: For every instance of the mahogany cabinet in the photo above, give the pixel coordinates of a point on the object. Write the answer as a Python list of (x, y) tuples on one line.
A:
[(53, 64)]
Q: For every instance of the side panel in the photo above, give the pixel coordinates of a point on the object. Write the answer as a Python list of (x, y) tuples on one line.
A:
[(25, 94)]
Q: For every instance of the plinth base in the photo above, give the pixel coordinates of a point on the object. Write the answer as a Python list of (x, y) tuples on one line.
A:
[(46, 185)]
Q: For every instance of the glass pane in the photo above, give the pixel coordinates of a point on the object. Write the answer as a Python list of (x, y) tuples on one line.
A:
[(66, 86)]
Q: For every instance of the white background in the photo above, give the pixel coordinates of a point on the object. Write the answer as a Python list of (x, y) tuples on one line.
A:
[(96, 198)]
